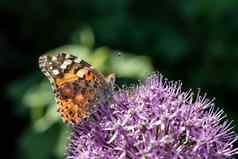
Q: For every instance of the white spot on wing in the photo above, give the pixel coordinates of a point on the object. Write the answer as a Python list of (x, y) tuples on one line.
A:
[(67, 62), (63, 66), (55, 72), (77, 60), (54, 58), (81, 72)]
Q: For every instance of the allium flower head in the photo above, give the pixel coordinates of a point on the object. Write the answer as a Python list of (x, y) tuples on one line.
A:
[(156, 120)]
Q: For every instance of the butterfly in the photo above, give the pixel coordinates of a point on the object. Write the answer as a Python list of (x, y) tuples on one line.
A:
[(77, 86)]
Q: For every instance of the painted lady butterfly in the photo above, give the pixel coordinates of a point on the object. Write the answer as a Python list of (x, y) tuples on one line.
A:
[(76, 84)]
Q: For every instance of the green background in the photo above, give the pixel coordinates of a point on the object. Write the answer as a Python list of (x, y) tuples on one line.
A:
[(192, 41)]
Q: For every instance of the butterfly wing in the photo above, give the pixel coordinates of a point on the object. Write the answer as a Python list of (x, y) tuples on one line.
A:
[(76, 84)]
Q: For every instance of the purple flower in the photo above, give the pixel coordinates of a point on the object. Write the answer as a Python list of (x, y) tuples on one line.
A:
[(156, 120)]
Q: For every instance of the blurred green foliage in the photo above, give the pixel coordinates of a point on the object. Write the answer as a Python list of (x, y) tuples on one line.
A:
[(192, 41)]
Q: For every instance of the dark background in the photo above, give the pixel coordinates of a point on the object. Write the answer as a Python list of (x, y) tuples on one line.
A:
[(192, 41)]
